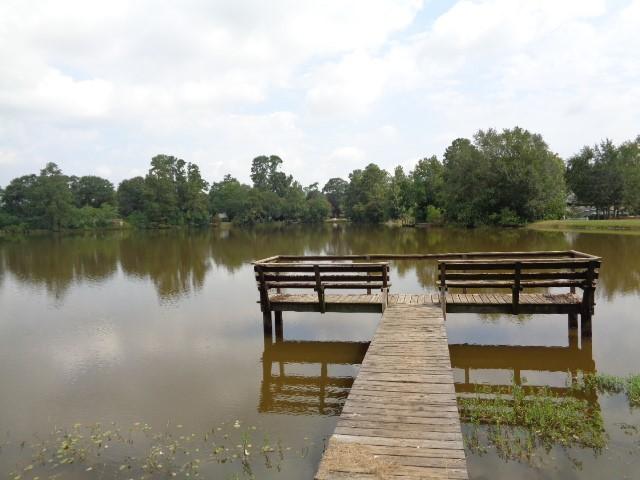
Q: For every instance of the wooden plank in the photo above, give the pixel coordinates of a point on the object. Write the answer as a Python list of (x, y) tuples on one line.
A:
[(401, 410)]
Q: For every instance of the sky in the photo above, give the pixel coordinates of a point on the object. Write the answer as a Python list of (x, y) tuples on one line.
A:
[(101, 87)]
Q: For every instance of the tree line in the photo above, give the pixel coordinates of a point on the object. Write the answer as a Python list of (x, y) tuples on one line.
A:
[(495, 178)]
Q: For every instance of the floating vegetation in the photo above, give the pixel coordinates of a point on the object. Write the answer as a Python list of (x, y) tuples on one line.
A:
[(137, 451), (604, 383), (519, 421), (516, 423)]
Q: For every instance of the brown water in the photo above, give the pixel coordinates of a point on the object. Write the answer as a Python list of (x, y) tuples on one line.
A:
[(163, 328)]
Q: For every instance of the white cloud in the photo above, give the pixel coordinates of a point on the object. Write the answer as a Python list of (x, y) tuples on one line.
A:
[(8, 157), (329, 86)]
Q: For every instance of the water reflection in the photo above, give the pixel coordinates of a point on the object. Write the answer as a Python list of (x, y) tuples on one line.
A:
[(178, 262), (488, 364), (314, 390)]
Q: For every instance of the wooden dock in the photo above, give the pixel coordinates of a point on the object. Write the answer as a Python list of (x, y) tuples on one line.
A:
[(455, 302), (400, 419)]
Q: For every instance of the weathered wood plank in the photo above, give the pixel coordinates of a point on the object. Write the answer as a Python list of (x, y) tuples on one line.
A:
[(400, 419)]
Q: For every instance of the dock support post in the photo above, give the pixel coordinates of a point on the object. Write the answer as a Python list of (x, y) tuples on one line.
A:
[(573, 334), (267, 324), (585, 324), (278, 326), (573, 321)]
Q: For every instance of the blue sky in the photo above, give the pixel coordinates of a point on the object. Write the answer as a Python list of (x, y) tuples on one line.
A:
[(101, 87)]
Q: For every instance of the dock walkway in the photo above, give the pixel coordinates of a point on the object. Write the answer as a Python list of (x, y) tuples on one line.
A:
[(400, 419)]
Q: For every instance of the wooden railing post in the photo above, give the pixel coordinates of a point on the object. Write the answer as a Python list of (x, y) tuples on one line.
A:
[(464, 257), (443, 287), (385, 288), (572, 289), (319, 289), (368, 281), (515, 296), (588, 300), (264, 292)]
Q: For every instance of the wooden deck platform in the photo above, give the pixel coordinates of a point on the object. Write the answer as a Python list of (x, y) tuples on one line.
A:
[(561, 303), (400, 419)]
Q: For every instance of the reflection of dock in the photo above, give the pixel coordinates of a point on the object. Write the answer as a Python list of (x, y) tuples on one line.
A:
[(520, 361), (307, 394)]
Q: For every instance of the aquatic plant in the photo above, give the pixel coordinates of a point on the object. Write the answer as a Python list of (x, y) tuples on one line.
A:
[(231, 450), (605, 383), (516, 422)]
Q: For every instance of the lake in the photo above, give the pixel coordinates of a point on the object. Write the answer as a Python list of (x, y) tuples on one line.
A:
[(129, 354)]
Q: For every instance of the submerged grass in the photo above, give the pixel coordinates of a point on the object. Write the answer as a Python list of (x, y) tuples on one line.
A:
[(518, 422), (110, 451), (604, 383)]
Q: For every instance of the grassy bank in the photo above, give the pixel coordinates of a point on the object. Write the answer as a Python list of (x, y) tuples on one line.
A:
[(614, 225)]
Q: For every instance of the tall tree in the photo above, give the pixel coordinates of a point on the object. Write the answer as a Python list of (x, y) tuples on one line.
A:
[(399, 200), (229, 197), (131, 196), (52, 198), (428, 186), (366, 194), (161, 195), (194, 204), (630, 153), (596, 176), (336, 190), (265, 175)]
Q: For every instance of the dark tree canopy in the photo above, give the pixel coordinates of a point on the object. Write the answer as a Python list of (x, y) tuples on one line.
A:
[(92, 191), (336, 191), (131, 196), (504, 178), (606, 177)]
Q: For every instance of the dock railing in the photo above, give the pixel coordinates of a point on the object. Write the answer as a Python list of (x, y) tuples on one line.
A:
[(320, 277), (577, 270), (482, 271)]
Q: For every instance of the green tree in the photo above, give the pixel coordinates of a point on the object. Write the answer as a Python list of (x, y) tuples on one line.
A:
[(265, 175), (229, 197), (195, 206), (630, 153), (400, 202), (18, 197), (466, 193), (52, 198), (131, 194), (317, 207), (605, 176), (92, 191), (336, 191), (366, 195), (161, 194), (428, 187), (503, 178)]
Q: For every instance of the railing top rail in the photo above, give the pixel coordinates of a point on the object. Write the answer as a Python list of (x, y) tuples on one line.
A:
[(377, 257), (525, 263)]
